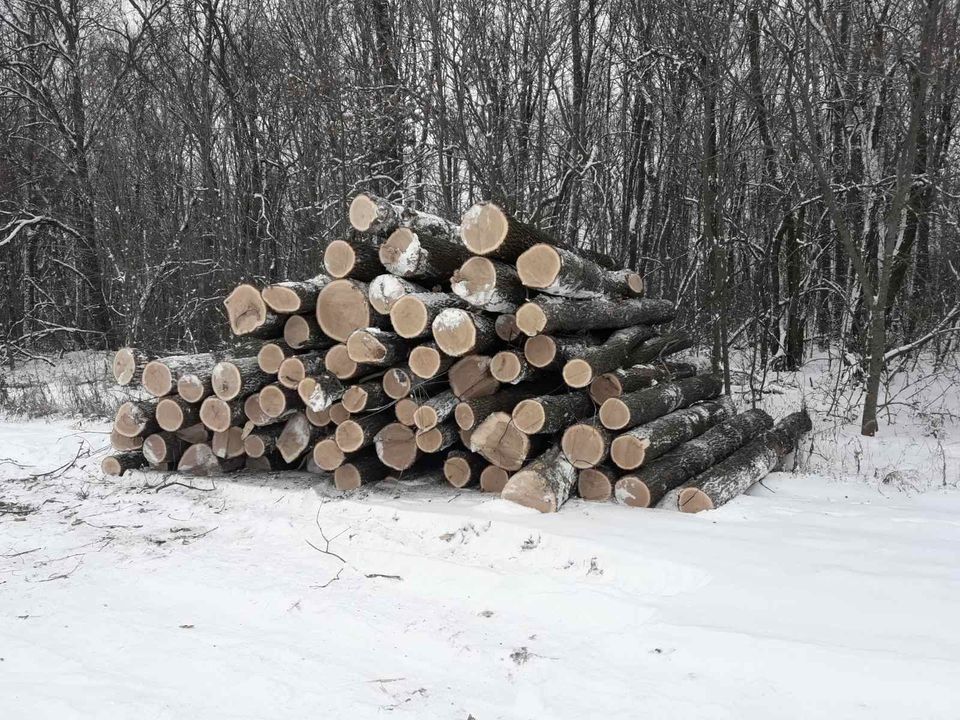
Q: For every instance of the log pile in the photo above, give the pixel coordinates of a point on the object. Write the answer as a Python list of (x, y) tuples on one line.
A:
[(485, 354)]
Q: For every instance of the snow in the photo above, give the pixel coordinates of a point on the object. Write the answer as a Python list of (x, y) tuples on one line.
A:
[(449, 320)]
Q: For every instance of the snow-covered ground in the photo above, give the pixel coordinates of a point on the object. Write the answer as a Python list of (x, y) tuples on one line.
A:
[(816, 596)]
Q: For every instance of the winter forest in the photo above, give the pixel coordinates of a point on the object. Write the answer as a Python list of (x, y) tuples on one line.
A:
[(784, 171)]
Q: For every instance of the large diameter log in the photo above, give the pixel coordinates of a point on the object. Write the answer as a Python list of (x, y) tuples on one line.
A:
[(459, 332), (294, 369), (235, 379), (657, 349), (386, 290), (412, 315), (463, 468), (586, 444), (651, 440), (297, 435), (375, 347), (544, 484), (174, 413), (488, 285), (359, 471), (301, 332), (128, 365), (320, 392), (597, 483), (396, 446), (426, 361), (629, 379), (359, 432), (438, 438), (343, 307), (548, 414), (122, 443), (470, 377), (648, 404), (248, 314), (327, 454), (493, 479), (365, 397), (294, 296), (228, 444), (499, 441), (751, 463), (579, 372), (357, 258), (219, 415), (199, 459), (556, 271), (511, 367), (649, 484), (136, 417), (548, 315), (416, 254), (470, 413), (163, 447), (435, 410), (275, 400), (119, 463)]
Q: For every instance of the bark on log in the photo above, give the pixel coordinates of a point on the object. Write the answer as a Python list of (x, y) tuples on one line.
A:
[(193, 434), (470, 377), (263, 441), (228, 444), (751, 463), (374, 215), (294, 369), (580, 371), (254, 412), (297, 435), (597, 483), (320, 392), (365, 397), (128, 364), (343, 306), (511, 367), (136, 417), (359, 432), (462, 468), (493, 479), (488, 285), (427, 361), (160, 376), (396, 446), (472, 412), (642, 406), (122, 443), (235, 379), (198, 459), (218, 414), (544, 484), (637, 377), (248, 314), (119, 463), (649, 484), (276, 399), (377, 348), (549, 414), (385, 290), (659, 348), (506, 327), (586, 444), (363, 470), (459, 332), (499, 441), (327, 454), (358, 258), (438, 438), (194, 387), (163, 447), (412, 315), (295, 296), (301, 332), (435, 410), (487, 229), (651, 440), (174, 413), (417, 254), (543, 351), (557, 271), (549, 315)]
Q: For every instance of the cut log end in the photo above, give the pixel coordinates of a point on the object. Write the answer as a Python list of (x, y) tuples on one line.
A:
[(425, 417), (328, 455), (228, 444), (604, 387), (340, 258), (493, 479), (270, 357), (273, 401), (531, 319), (409, 316), (457, 471), (595, 485), (338, 363), (397, 446), (540, 350), (475, 281), (131, 419), (339, 414), (397, 383), (505, 366), (281, 299), (254, 446), (226, 380), (539, 267), (583, 445), (365, 347), (354, 398), (291, 372), (405, 409), (191, 388), (529, 416), (157, 379), (425, 361), (124, 366), (632, 491), (454, 332), (342, 307), (254, 411), (430, 441), (628, 452), (635, 283), (215, 414), (464, 416), (577, 373), (246, 309), (155, 449), (483, 228), (614, 414), (693, 500), (111, 466), (363, 211), (169, 415), (347, 477), (297, 331), (349, 436), (527, 488)]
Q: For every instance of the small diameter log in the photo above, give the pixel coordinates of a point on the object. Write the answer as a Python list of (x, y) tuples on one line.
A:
[(543, 351), (470, 378), (195, 387), (438, 438), (339, 414), (359, 432), (338, 363), (586, 444), (275, 400), (365, 397), (645, 405), (651, 440), (506, 327), (219, 415), (488, 285), (235, 379), (459, 332), (550, 315), (372, 214), (463, 468), (579, 372), (487, 229), (228, 444), (548, 414), (435, 410), (163, 447), (200, 460), (376, 347), (320, 392), (193, 434), (118, 463), (418, 254), (412, 315), (254, 412), (511, 367), (248, 314), (327, 454), (359, 471), (122, 443), (629, 379), (499, 441), (556, 271), (472, 412), (751, 463), (296, 368), (343, 307), (493, 479), (301, 332), (174, 413), (297, 435), (128, 364), (272, 354), (386, 290), (544, 484), (647, 486), (396, 446), (257, 464), (356, 258), (136, 417), (317, 418), (398, 382), (426, 361), (405, 410), (295, 296), (597, 483), (262, 441), (659, 348)]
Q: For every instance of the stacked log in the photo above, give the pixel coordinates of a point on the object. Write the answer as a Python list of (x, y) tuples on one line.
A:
[(486, 353)]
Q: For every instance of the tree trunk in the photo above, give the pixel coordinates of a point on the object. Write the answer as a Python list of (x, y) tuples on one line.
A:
[(655, 350), (472, 412), (438, 438), (368, 396), (359, 432), (160, 376), (363, 470), (551, 315), (544, 484), (435, 410), (645, 405), (630, 379), (235, 379), (128, 365)]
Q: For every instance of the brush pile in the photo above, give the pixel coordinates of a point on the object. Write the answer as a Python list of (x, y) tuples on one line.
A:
[(485, 353)]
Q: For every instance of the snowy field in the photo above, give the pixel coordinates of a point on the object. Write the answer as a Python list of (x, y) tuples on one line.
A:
[(830, 593)]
